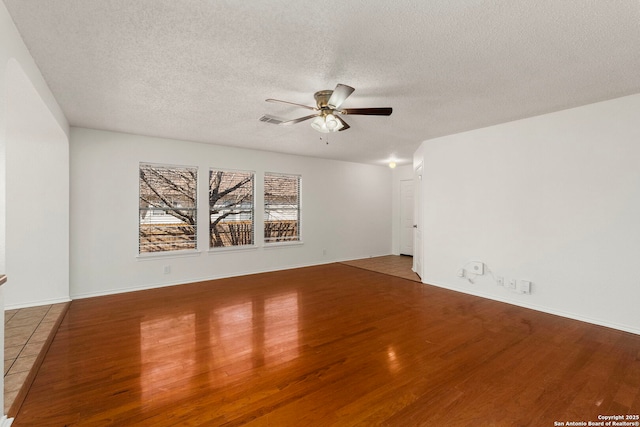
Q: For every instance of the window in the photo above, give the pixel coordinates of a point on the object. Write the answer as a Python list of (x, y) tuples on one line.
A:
[(230, 208), (168, 206), (281, 208)]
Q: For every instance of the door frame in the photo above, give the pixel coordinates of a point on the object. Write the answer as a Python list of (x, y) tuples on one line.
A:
[(417, 220)]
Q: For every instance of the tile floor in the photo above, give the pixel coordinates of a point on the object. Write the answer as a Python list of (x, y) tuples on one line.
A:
[(26, 333), (395, 265)]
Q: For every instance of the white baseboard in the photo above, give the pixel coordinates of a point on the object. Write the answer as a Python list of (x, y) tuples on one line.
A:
[(5, 422)]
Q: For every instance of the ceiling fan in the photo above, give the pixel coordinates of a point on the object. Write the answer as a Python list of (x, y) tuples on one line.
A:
[(327, 112)]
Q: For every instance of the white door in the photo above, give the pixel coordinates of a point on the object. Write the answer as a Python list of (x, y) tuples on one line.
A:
[(406, 217), (417, 241)]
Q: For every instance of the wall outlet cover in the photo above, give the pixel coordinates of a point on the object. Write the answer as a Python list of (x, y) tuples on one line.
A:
[(475, 267), (524, 286)]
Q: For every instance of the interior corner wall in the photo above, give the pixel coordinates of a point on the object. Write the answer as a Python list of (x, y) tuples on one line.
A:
[(27, 104), (37, 198), (553, 199), (12, 47), (345, 212)]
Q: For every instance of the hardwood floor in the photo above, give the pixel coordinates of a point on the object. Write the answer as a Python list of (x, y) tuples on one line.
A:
[(323, 346), (396, 265)]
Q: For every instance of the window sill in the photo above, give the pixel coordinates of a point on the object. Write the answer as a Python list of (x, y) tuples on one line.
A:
[(222, 249), (170, 254), (275, 245)]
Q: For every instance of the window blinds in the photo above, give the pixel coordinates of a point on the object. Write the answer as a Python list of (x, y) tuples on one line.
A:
[(167, 208), (281, 208)]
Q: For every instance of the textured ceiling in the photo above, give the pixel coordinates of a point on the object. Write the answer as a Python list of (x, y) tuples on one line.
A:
[(201, 70)]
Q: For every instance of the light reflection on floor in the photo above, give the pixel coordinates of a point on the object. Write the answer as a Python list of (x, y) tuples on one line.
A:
[(158, 371), (237, 337)]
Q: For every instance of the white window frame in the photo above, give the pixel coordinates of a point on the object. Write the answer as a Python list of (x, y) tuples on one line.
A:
[(279, 241), (252, 213), (153, 212)]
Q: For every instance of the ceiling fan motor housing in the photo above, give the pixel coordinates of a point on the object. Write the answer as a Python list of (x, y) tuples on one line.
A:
[(322, 98), (326, 122)]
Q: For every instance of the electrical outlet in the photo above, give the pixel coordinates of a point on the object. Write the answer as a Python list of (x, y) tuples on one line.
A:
[(512, 283), (500, 281)]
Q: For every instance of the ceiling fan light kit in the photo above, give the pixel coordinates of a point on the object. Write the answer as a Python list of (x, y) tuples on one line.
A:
[(327, 117), (326, 123)]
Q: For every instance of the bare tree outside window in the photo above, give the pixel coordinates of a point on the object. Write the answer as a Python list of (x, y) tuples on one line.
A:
[(281, 208), (231, 208), (168, 208)]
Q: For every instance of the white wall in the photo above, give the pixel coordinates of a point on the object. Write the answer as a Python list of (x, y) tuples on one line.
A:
[(37, 198), (13, 52), (346, 210), (34, 187), (12, 46), (553, 199)]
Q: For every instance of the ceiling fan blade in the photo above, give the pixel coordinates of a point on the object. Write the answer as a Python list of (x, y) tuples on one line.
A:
[(292, 103), (345, 126), (368, 111), (278, 121), (300, 119), (340, 93)]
